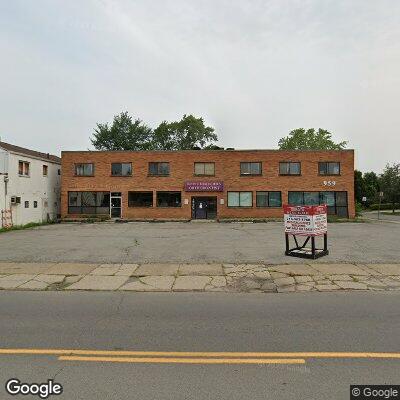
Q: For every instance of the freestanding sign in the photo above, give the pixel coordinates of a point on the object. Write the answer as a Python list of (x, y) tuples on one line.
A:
[(309, 221), (305, 220)]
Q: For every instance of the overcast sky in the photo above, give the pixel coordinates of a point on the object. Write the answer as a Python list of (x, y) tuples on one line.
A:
[(253, 69)]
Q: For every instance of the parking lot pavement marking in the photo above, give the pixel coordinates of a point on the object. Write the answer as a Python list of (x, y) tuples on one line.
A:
[(169, 360), (132, 353)]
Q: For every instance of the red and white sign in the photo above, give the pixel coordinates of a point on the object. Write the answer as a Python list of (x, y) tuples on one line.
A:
[(305, 220)]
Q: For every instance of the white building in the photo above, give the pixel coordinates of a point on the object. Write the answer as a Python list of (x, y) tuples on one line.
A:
[(29, 184)]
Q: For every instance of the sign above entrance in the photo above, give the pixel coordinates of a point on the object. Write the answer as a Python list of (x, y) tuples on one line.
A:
[(200, 186), (305, 220)]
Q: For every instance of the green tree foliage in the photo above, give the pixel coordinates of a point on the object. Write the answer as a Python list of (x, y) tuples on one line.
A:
[(302, 139), (186, 134), (123, 134), (128, 134), (371, 186), (366, 185), (359, 187), (390, 183)]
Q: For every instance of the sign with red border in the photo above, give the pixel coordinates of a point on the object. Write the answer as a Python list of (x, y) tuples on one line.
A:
[(305, 220)]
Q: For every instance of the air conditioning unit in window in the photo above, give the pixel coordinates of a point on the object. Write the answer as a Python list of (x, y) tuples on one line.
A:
[(15, 200)]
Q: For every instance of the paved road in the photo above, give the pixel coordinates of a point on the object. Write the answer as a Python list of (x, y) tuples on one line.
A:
[(384, 216), (192, 242), (348, 322)]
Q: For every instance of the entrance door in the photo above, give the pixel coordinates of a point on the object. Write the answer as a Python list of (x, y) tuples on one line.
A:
[(204, 207), (116, 205)]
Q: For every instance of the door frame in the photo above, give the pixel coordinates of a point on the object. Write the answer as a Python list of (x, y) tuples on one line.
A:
[(115, 197), (193, 204)]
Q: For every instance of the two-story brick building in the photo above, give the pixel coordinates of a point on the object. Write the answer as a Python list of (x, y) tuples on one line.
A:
[(199, 184)]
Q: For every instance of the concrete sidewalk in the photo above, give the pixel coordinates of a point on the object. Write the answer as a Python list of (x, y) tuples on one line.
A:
[(307, 277)]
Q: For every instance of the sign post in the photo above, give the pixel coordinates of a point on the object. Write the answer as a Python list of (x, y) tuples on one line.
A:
[(379, 207), (309, 222)]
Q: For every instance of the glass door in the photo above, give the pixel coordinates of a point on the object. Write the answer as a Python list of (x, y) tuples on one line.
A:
[(116, 205)]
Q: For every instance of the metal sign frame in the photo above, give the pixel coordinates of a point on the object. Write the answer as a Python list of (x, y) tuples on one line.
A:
[(308, 224)]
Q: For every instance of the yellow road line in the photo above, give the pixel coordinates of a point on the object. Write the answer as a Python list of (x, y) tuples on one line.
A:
[(185, 360), (200, 354)]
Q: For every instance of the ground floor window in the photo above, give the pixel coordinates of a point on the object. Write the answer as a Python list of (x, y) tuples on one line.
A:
[(140, 199), (169, 199), (240, 199), (269, 199), (336, 201), (89, 202)]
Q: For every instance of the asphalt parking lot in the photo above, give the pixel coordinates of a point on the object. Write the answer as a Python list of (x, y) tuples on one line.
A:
[(144, 242)]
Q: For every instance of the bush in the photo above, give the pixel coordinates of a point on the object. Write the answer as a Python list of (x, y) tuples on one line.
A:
[(384, 206), (359, 209)]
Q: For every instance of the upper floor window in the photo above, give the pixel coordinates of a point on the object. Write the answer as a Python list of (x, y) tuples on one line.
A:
[(84, 169), (45, 170), (329, 168), (202, 168), (250, 168), (121, 169), (159, 168), (289, 168), (23, 168)]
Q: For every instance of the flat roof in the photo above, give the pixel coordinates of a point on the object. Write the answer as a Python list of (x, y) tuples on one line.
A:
[(205, 150)]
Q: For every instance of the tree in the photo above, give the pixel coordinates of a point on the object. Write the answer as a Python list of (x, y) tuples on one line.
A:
[(187, 134), (128, 134), (371, 186), (359, 187), (390, 183), (301, 139), (123, 134)]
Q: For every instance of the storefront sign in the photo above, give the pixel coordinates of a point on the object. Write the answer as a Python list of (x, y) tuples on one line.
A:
[(305, 220), (193, 186)]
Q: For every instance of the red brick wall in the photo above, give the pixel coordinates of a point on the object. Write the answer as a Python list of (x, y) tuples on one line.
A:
[(227, 169)]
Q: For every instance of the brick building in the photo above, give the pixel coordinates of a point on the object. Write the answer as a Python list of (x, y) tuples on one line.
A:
[(198, 184)]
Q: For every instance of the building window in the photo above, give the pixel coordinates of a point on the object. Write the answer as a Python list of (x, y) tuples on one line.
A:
[(89, 203), (269, 199), (289, 168), (336, 201), (26, 204), (23, 168), (84, 169), (250, 168), (169, 199), (140, 199), (59, 171), (207, 169), (45, 170), (35, 204), (121, 169), (159, 168), (240, 199), (329, 168)]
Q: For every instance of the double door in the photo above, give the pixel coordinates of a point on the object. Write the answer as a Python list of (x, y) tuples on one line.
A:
[(204, 207)]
